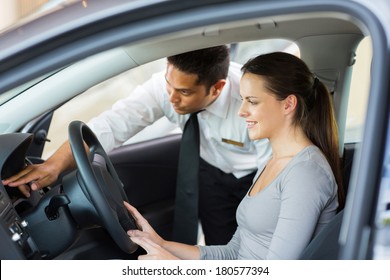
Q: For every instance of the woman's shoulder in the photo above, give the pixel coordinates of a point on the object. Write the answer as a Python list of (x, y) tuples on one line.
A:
[(312, 156), (310, 165)]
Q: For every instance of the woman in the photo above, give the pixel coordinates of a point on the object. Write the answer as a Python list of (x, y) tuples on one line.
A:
[(295, 194)]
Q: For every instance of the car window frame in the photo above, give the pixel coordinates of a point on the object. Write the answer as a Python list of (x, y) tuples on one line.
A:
[(365, 174)]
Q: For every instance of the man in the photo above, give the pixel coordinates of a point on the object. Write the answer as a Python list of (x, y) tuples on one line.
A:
[(198, 81)]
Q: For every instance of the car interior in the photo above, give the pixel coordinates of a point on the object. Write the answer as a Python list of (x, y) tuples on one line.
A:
[(62, 221)]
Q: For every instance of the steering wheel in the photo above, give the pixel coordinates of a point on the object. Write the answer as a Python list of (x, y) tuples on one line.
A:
[(102, 184)]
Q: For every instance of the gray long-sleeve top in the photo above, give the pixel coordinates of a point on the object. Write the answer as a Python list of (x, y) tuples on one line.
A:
[(279, 221)]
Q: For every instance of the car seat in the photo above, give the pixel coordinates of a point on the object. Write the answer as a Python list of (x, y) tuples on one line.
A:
[(325, 245)]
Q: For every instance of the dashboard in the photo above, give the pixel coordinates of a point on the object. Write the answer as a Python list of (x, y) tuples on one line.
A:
[(60, 221), (16, 242)]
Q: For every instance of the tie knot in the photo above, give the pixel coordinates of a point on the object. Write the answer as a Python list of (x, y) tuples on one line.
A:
[(193, 116), (196, 113)]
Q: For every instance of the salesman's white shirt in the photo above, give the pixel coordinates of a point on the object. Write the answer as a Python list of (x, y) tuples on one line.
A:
[(224, 141)]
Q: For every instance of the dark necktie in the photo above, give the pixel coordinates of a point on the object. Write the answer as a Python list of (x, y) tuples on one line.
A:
[(185, 229)]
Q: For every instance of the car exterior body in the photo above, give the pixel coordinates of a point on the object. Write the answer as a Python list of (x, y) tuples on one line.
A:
[(50, 60)]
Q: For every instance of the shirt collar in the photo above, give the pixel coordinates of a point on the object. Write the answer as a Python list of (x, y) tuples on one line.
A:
[(221, 105)]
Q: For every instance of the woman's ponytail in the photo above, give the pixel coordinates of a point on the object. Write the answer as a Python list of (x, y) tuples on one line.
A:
[(321, 127)]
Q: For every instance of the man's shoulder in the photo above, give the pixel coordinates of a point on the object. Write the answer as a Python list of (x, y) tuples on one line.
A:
[(234, 73), (234, 77), (155, 83)]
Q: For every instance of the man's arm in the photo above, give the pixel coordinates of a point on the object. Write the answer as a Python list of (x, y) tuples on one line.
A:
[(113, 127)]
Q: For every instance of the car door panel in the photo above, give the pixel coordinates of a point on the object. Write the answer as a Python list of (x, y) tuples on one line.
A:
[(148, 173)]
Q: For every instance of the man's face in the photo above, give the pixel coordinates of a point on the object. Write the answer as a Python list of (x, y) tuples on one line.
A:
[(184, 94)]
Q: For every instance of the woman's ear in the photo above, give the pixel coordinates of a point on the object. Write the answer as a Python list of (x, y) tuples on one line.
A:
[(290, 103)]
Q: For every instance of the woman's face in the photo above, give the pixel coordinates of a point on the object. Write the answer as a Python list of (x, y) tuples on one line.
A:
[(264, 114)]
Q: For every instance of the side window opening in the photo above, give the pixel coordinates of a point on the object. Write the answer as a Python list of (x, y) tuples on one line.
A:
[(359, 90), (102, 96), (356, 107)]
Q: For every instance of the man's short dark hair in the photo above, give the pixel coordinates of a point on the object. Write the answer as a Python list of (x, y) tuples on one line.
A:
[(210, 64)]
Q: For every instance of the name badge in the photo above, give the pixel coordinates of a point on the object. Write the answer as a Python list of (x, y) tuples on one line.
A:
[(232, 142)]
